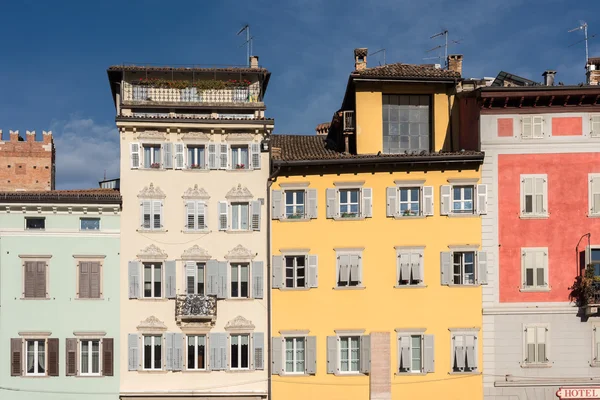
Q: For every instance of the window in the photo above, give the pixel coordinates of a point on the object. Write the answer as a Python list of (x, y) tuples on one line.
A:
[(295, 271), (89, 280), (239, 157), (195, 277), (239, 280), (595, 126), (239, 216), (534, 264), (196, 158), (195, 215), (152, 214), (35, 275), (240, 351), (294, 204), (89, 224), (410, 202), (409, 267), (151, 156), (152, 280), (152, 352), (349, 270), (406, 123), (536, 350), (463, 263), (532, 127), (349, 354), (35, 223), (464, 352), (534, 196), (295, 355), (349, 203), (35, 357), (89, 357), (462, 199), (196, 352)]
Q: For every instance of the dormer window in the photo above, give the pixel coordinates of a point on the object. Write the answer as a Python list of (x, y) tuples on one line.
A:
[(406, 123)]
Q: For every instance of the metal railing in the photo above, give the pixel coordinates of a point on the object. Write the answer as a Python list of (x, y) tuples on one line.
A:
[(195, 306), (147, 94)]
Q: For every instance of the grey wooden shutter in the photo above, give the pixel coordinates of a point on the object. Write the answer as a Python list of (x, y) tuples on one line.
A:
[(16, 359), (169, 350), (171, 279), (212, 156), (95, 279), (223, 220), (332, 354), (177, 351), (277, 267), (311, 194), (53, 357), (276, 197), (224, 156), (255, 155), (30, 278), (404, 345), (133, 352), (40, 280), (134, 279), (313, 271), (212, 274), (255, 215), (277, 356), (179, 149), (222, 280), (445, 199), (71, 357), (257, 279), (428, 354), (391, 194), (310, 364), (84, 280), (446, 267), (108, 357), (482, 264), (365, 354), (134, 155), (367, 202), (168, 155), (427, 200), (215, 356), (259, 350), (482, 199), (331, 202)]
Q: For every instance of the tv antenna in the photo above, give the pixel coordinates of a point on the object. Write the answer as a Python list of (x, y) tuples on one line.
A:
[(444, 33), (379, 51), (583, 27), (248, 42)]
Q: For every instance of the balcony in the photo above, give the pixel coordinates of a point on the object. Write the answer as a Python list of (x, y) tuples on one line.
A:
[(194, 307)]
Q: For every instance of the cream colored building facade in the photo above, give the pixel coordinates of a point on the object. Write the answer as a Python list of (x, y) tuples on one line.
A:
[(193, 280)]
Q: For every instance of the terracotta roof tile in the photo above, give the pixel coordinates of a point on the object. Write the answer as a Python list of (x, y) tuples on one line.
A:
[(89, 196), (400, 70)]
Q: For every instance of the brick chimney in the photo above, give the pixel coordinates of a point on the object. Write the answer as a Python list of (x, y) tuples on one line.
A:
[(549, 77), (253, 61), (593, 71), (455, 63), (360, 59)]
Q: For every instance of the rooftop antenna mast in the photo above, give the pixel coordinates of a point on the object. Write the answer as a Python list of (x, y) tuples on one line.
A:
[(583, 27), (248, 42), (379, 51)]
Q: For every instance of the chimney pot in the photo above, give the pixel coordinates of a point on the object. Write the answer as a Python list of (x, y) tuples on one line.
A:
[(360, 59), (253, 61), (455, 63), (549, 77)]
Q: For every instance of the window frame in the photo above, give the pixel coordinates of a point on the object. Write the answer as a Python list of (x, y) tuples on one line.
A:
[(35, 356), (196, 345), (537, 327), (239, 282), (238, 149), (462, 273), (534, 288), (350, 253), (81, 219), (90, 357), (153, 264), (239, 335), (295, 359), (430, 120), (33, 219), (159, 163), (464, 333), (153, 360), (295, 204), (295, 270), (523, 196), (249, 220), (349, 338), (349, 203)]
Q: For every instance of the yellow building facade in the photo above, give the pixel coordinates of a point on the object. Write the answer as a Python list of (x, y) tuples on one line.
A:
[(376, 246)]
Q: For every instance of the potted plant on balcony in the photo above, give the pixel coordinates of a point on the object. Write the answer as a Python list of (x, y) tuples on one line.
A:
[(586, 289), (155, 165)]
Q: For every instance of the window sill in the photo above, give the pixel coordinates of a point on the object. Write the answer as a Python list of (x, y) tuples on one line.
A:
[(465, 215), (476, 372), (420, 286), (350, 288), (162, 230), (410, 374), (36, 298), (547, 365), (305, 219), (545, 216), (533, 290), (410, 216), (349, 219)]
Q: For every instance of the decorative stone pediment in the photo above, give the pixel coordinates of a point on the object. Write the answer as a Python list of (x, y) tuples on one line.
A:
[(152, 324), (152, 252), (151, 192), (196, 193), (195, 136), (152, 135), (238, 137), (239, 252), (239, 193), (195, 253), (239, 323)]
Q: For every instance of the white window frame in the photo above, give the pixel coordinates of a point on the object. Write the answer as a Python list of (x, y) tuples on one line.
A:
[(349, 252), (238, 148), (595, 123), (359, 213), (295, 204), (295, 340), (239, 281), (463, 200), (464, 333), (195, 344), (35, 356), (154, 265), (90, 358), (535, 287), (198, 263), (462, 273), (532, 122), (249, 222), (195, 147), (90, 218), (295, 268), (339, 354), (537, 328), (152, 160), (535, 212), (250, 351), (153, 337)]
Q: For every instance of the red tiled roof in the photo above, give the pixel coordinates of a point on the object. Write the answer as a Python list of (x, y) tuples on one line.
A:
[(400, 70), (88, 196)]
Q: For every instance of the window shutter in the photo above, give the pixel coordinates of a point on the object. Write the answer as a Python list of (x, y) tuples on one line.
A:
[(427, 200), (84, 280), (482, 267), (365, 354), (313, 271), (256, 215), (428, 354), (445, 191), (310, 365), (212, 156), (170, 278), (132, 352), (470, 350), (169, 350), (331, 202), (95, 279), (222, 280), (526, 128), (276, 197), (594, 194), (256, 155), (223, 220), (367, 200), (168, 155), (416, 260), (179, 150), (16, 345), (257, 279), (259, 350), (108, 359), (177, 351), (212, 273), (391, 194), (201, 217), (538, 127), (344, 267), (332, 353), (277, 266), (404, 353), (446, 267), (30, 278), (134, 155), (146, 209), (52, 357), (71, 357), (190, 215), (595, 125), (40, 280), (224, 156), (481, 199), (277, 356), (134, 279), (190, 277), (312, 203)]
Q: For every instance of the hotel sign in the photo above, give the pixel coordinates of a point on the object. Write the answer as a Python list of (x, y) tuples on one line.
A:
[(579, 392)]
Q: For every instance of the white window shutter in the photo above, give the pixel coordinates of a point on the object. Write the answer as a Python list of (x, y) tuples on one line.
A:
[(255, 159), (311, 195), (367, 202), (134, 155), (313, 271), (167, 150), (255, 205), (179, 151), (190, 215), (446, 267), (223, 220), (276, 206), (224, 156), (538, 127), (201, 217), (212, 156), (445, 203), (391, 194), (526, 127), (482, 268), (481, 199), (332, 210), (594, 194), (427, 200)]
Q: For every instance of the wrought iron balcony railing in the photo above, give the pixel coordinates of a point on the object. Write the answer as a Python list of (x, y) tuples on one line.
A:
[(195, 307), (142, 94)]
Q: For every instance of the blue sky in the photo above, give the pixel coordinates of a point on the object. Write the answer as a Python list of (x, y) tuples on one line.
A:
[(55, 55)]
